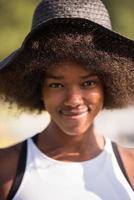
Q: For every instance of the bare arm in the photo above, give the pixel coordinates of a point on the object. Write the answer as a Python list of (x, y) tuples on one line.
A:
[(127, 156), (8, 166)]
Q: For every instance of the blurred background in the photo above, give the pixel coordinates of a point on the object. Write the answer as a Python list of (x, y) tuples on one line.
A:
[(15, 23)]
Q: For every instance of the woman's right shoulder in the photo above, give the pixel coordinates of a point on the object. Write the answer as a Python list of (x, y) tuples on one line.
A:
[(9, 160), (8, 151)]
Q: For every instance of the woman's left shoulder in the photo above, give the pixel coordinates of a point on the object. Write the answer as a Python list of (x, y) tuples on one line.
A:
[(127, 156)]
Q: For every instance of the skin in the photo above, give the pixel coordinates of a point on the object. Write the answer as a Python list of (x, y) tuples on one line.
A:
[(73, 102), (73, 96)]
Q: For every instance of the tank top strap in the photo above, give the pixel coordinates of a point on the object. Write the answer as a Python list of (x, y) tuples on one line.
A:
[(20, 171), (112, 147)]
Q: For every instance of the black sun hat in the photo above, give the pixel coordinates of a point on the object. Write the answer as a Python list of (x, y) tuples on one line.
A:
[(85, 14)]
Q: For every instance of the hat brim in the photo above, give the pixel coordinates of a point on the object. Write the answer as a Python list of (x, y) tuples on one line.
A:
[(81, 23)]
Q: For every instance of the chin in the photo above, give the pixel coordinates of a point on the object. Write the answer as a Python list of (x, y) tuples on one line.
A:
[(75, 131), (72, 129)]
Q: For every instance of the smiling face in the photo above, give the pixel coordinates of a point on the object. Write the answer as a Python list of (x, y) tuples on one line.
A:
[(73, 96)]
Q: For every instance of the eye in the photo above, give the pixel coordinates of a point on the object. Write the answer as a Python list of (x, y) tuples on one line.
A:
[(56, 85), (89, 84)]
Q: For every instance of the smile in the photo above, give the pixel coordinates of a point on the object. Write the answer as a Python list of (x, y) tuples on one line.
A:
[(74, 115)]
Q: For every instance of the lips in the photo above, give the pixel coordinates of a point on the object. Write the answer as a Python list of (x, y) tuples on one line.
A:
[(73, 112)]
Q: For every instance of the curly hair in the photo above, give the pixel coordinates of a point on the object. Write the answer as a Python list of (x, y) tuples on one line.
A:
[(21, 82)]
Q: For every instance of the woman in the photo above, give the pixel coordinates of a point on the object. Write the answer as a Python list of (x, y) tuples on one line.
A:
[(72, 65)]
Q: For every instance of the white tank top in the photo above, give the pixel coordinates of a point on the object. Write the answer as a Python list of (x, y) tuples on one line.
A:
[(98, 179)]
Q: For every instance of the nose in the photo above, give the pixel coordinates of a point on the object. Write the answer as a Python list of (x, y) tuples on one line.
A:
[(73, 97)]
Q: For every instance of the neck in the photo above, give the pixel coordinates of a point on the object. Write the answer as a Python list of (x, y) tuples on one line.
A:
[(61, 146)]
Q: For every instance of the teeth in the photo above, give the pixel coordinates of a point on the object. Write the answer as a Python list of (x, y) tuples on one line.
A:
[(72, 113)]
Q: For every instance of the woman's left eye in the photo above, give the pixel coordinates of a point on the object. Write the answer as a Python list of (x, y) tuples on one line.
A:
[(89, 83)]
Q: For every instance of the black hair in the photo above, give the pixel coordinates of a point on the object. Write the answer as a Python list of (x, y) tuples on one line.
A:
[(22, 81)]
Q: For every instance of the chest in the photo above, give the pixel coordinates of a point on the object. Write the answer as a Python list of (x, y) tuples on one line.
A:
[(53, 181)]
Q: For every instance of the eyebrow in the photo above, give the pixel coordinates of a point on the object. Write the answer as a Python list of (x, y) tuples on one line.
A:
[(62, 77), (88, 76), (54, 77)]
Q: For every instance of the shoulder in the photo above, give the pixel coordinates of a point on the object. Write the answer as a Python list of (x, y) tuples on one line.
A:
[(127, 156), (9, 151), (8, 160), (8, 166)]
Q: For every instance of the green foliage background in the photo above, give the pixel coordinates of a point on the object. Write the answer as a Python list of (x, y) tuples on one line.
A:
[(15, 23), (16, 16)]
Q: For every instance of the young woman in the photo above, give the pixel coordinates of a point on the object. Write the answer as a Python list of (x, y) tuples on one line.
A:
[(72, 65)]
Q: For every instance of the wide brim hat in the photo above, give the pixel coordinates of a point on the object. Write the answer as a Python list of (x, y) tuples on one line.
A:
[(90, 14)]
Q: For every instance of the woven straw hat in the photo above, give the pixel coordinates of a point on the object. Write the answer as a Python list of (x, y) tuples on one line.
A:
[(84, 13)]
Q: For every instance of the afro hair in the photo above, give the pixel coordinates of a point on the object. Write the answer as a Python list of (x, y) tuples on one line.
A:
[(112, 61)]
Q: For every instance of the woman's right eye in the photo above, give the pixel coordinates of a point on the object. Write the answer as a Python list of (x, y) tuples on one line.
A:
[(55, 85)]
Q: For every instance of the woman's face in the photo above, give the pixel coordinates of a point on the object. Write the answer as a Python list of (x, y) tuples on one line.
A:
[(73, 96)]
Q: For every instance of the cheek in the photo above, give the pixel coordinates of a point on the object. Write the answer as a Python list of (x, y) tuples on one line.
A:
[(52, 99), (96, 98)]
